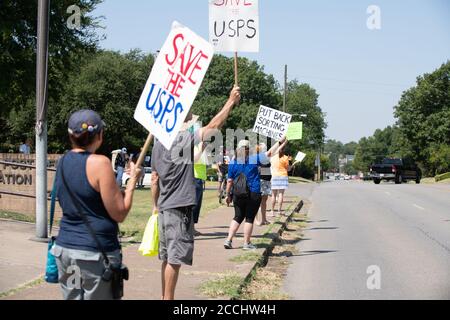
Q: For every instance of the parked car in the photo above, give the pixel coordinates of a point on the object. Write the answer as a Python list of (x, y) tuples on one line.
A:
[(147, 177), (398, 170)]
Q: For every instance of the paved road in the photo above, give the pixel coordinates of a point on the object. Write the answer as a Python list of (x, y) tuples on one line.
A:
[(402, 229)]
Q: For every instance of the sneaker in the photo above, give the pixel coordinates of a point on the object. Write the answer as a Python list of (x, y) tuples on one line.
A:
[(249, 246), (227, 244)]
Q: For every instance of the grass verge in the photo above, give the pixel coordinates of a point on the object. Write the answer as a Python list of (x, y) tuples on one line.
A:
[(224, 285), (246, 257), (299, 180), (137, 219), (27, 285), (16, 216), (266, 281)]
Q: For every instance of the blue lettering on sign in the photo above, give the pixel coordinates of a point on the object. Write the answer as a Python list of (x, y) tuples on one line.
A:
[(165, 109)]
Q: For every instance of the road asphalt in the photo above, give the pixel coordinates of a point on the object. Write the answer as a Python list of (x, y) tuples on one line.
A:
[(367, 241)]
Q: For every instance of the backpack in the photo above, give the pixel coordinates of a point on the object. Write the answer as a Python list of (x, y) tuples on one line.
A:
[(240, 189)]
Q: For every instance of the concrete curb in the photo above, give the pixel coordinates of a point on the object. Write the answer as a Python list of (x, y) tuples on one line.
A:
[(276, 231)]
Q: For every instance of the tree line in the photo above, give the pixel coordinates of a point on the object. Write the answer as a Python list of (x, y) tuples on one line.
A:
[(421, 131)]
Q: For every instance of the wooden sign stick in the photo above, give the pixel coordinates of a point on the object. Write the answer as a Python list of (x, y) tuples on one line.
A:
[(236, 83), (144, 150)]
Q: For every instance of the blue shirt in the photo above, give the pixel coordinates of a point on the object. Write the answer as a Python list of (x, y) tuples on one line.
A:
[(250, 170)]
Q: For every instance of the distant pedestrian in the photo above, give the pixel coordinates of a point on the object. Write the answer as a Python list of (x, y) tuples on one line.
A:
[(280, 179), (120, 164), (244, 176), (200, 176), (88, 245), (25, 148), (222, 173)]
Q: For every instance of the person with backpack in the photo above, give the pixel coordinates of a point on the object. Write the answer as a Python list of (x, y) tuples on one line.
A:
[(174, 195), (244, 178)]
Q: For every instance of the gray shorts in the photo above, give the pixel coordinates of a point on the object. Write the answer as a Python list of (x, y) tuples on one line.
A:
[(176, 236), (80, 273)]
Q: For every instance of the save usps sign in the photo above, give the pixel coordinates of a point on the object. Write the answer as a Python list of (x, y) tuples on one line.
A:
[(173, 83)]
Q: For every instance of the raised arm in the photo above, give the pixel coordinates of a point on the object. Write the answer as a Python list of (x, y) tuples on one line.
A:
[(198, 151), (101, 177), (218, 121), (277, 147)]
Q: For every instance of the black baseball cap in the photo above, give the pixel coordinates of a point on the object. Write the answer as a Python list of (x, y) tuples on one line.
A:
[(85, 120)]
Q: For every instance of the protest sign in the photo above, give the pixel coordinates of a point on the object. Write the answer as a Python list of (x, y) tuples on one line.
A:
[(234, 25), (173, 83), (295, 131), (272, 123), (300, 156)]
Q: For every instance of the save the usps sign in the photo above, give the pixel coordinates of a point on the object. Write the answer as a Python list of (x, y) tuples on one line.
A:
[(173, 83)]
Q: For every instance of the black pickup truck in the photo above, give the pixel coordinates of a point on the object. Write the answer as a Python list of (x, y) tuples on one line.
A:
[(399, 170)]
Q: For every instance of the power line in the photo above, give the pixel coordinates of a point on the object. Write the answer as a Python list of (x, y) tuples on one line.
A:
[(357, 81)]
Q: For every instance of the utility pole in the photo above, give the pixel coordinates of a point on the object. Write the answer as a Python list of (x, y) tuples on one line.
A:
[(285, 87), (41, 119), (319, 176)]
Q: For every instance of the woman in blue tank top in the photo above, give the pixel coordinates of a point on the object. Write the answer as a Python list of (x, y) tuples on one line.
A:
[(85, 182)]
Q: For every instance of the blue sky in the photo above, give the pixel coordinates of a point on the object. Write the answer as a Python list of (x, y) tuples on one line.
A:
[(359, 73)]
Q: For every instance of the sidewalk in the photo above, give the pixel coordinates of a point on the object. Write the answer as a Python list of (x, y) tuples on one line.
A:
[(210, 261)]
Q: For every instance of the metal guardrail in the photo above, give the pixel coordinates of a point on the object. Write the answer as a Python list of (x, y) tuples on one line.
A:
[(21, 165)]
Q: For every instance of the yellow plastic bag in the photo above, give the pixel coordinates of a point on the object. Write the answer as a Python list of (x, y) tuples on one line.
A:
[(150, 241)]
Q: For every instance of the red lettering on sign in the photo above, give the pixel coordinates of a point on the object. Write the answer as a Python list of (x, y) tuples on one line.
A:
[(183, 64), (175, 83), (175, 49)]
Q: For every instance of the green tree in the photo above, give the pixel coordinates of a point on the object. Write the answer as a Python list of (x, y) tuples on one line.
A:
[(303, 99), (350, 148), (423, 118), (111, 84), (257, 88), (18, 28), (375, 148)]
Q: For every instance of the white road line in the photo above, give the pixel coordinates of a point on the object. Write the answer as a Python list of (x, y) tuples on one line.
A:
[(388, 193), (418, 207)]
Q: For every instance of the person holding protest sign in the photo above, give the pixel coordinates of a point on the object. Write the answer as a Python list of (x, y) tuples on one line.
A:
[(266, 190), (244, 178), (280, 179), (87, 246), (173, 191)]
